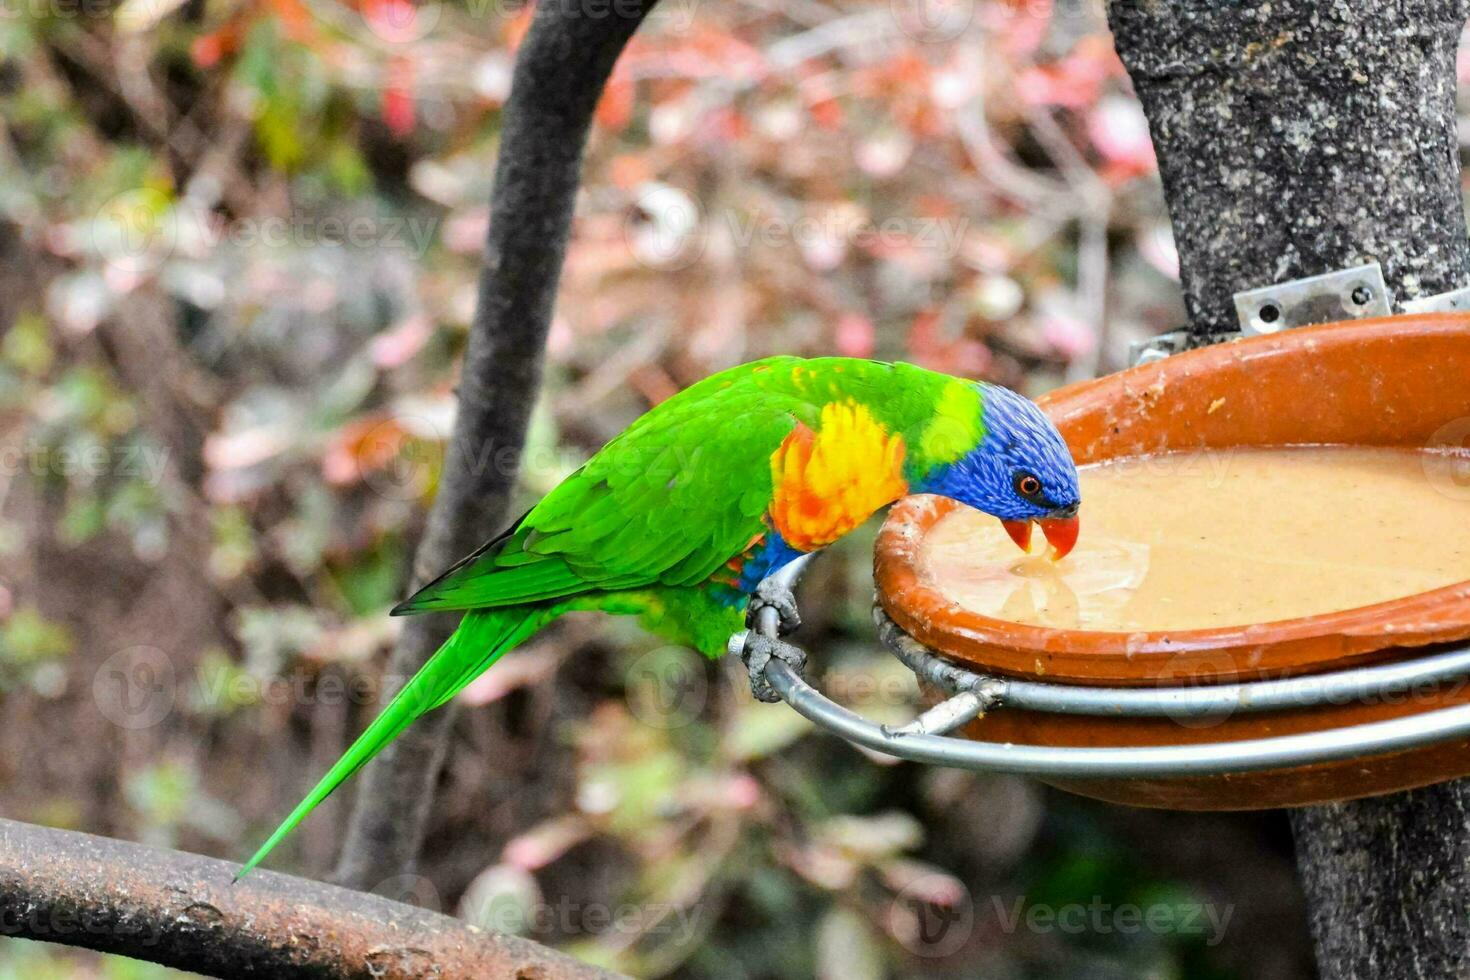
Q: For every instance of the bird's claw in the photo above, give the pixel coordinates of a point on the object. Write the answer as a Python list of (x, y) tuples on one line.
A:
[(757, 651), (772, 595)]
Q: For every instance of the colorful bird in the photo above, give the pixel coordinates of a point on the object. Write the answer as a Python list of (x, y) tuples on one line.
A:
[(681, 518)]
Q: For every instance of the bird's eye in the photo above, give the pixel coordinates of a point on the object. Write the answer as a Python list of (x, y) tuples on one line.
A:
[(1027, 485)]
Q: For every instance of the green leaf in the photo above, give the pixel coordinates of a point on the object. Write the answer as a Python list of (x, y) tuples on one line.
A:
[(27, 638), (27, 345)]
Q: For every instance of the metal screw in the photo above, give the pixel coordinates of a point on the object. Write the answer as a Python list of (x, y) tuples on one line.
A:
[(1270, 313), (1362, 295)]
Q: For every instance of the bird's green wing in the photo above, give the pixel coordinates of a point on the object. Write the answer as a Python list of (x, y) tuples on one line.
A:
[(667, 502)]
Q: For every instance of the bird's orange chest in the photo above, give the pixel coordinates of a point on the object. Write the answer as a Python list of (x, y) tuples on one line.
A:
[(827, 481)]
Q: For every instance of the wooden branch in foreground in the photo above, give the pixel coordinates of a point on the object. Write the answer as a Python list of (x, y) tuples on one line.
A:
[(181, 910)]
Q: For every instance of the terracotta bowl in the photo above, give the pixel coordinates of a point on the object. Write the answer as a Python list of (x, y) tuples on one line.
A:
[(1400, 381)]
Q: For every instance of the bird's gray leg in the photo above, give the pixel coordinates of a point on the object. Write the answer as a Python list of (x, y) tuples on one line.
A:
[(756, 651), (770, 594)]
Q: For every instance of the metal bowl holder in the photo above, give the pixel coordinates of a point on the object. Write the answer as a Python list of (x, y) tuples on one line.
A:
[(972, 695)]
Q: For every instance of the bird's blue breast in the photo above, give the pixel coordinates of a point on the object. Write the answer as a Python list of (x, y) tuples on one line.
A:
[(764, 560)]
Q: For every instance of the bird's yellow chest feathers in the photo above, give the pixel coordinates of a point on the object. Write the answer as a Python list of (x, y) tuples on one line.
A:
[(829, 481)]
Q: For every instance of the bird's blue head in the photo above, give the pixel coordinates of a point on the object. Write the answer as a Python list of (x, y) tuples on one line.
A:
[(1021, 471)]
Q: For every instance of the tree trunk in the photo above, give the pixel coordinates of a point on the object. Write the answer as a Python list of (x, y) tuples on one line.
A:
[(1296, 137), (563, 63)]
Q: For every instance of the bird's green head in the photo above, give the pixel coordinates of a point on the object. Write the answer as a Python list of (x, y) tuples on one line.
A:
[(1008, 460)]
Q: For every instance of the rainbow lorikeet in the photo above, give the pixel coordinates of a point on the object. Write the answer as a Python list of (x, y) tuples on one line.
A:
[(679, 519)]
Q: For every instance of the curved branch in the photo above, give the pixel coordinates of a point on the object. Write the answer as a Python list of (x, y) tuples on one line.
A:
[(181, 910), (563, 64)]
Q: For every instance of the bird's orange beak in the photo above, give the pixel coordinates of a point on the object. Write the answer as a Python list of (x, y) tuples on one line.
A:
[(1061, 534), (1020, 532)]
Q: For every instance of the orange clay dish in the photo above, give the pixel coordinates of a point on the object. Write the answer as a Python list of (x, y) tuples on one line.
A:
[(1274, 507)]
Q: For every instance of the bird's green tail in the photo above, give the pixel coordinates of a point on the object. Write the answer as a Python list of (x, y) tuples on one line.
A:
[(483, 636)]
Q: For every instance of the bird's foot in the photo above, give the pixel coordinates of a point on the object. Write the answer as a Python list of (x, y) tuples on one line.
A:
[(756, 651), (772, 595)]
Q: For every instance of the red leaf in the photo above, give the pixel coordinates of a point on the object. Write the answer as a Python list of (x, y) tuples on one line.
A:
[(397, 100), (856, 336), (615, 108)]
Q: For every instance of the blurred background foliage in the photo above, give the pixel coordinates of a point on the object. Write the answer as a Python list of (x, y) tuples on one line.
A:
[(238, 249)]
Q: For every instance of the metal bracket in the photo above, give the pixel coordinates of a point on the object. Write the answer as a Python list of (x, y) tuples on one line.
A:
[(1452, 301), (1157, 348), (1344, 294), (1351, 294)]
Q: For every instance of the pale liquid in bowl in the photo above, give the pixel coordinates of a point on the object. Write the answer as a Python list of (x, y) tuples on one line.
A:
[(1227, 537)]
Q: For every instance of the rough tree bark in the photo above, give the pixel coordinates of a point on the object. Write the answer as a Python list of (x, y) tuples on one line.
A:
[(562, 65), (181, 910), (1295, 137)]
